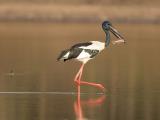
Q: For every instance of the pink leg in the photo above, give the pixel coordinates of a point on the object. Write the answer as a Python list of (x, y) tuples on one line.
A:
[(78, 75), (93, 84), (78, 81)]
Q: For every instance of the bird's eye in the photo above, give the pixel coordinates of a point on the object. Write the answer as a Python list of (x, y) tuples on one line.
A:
[(106, 26)]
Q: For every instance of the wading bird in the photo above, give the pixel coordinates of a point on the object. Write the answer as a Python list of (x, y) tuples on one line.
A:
[(86, 51)]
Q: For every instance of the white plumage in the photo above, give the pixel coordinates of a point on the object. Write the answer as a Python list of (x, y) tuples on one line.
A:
[(82, 52), (96, 45)]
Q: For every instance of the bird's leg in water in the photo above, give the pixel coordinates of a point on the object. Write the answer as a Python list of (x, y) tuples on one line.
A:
[(78, 81)]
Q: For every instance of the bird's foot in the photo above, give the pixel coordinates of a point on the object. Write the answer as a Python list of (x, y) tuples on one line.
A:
[(101, 87)]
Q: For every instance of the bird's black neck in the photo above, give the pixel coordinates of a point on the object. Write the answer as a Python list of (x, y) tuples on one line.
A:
[(107, 38)]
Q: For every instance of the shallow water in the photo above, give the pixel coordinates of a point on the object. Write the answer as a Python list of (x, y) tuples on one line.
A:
[(130, 73)]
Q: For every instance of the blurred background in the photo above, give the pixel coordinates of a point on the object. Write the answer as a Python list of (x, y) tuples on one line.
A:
[(34, 32), (80, 10)]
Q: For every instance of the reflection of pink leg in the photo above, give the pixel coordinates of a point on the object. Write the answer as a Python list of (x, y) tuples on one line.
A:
[(90, 104), (94, 102), (77, 106), (78, 81)]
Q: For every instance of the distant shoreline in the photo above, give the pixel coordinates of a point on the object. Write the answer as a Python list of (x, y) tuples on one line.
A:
[(78, 13)]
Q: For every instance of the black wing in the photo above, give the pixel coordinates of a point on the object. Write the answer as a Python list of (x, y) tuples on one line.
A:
[(62, 54), (81, 44), (92, 52), (74, 52)]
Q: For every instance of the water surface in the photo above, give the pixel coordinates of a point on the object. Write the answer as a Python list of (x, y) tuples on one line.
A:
[(130, 73)]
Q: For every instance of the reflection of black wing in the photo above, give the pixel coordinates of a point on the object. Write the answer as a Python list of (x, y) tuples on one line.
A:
[(92, 52), (81, 45)]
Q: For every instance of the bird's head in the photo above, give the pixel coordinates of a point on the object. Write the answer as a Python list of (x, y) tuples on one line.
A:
[(107, 26)]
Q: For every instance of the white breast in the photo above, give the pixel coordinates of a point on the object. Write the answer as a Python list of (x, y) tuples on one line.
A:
[(83, 54), (83, 57)]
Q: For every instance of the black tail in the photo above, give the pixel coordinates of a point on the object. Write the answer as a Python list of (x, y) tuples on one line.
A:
[(61, 56)]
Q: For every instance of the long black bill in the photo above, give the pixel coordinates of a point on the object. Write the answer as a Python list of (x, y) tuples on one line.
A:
[(116, 33)]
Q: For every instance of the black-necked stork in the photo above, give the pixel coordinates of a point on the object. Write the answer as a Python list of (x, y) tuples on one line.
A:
[(86, 51)]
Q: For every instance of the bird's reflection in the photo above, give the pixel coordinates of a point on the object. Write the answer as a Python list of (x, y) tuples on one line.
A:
[(90, 103)]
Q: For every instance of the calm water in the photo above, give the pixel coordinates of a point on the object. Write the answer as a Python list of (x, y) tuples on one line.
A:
[(28, 66)]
